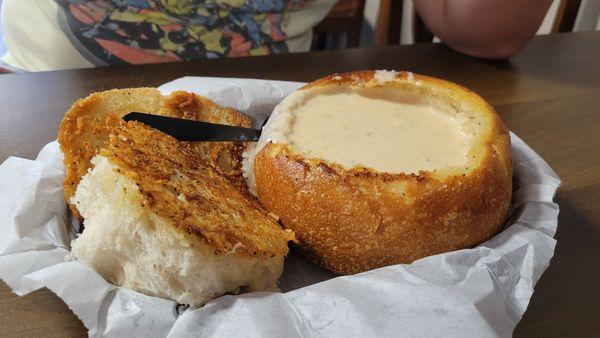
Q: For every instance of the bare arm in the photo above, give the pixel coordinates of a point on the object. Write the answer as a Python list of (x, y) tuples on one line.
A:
[(493, 29)]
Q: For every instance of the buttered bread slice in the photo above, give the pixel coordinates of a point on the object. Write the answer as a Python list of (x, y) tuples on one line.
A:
[(162, 221)]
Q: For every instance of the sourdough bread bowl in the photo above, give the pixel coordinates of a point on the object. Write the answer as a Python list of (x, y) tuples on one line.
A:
[(374, 168)]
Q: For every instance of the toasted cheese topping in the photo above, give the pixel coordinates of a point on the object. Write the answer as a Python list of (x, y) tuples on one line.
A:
[(85, 128), (179, 186)]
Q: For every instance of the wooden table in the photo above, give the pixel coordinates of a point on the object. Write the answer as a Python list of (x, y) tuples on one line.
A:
[(549, 94)]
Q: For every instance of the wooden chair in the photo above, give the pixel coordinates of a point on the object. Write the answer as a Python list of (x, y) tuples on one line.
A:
[(389, 21), (346, 16), (566, 15), (389, 24)]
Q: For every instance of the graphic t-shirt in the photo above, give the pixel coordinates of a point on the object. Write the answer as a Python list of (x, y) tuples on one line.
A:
[(58, 34)]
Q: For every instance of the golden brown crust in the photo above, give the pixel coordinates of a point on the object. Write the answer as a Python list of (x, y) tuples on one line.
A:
[(350, 221), (84, 129), (184, 189)]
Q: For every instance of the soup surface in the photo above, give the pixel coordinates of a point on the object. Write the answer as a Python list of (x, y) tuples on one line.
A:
[(378, 128)]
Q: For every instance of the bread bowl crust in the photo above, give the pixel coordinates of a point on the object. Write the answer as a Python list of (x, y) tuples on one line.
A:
[(353, 220)]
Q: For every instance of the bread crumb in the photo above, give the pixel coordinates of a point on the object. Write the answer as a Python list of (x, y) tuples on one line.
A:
[(385, 76)]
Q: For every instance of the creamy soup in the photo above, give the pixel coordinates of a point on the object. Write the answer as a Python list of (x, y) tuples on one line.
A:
[(376, 128)]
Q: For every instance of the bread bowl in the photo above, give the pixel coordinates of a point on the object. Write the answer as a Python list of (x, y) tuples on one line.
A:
[(421, 166)]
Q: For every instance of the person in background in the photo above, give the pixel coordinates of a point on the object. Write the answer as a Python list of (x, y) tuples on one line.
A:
[(491, 29), (60, 34)]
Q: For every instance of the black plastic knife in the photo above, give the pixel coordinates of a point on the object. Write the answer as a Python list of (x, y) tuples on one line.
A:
[(188, 130)]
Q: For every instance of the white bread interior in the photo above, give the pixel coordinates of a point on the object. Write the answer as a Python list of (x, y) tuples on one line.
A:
[(133, 247)]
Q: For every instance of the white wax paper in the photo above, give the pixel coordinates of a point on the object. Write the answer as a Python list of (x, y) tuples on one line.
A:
[(479, 292)]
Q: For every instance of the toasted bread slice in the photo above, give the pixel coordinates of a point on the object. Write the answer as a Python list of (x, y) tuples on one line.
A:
[(84, 129), (162, 221)]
